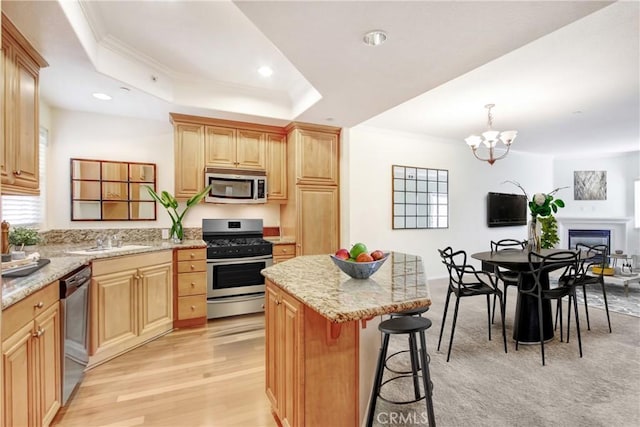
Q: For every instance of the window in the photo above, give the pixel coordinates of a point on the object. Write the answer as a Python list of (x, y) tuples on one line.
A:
[(28, 211)]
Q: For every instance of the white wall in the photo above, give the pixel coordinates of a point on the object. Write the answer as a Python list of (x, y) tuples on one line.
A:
[(366, 189), (97, 136), (616, 212)]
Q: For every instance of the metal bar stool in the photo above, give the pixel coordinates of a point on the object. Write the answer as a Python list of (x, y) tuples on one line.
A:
[(405, 325), (411, 312)]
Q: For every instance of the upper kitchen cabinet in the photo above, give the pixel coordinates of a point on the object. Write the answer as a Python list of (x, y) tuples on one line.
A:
[(234, 148), (276, 167), (316, 153), (202, 142), (188, 140), (21, 66)]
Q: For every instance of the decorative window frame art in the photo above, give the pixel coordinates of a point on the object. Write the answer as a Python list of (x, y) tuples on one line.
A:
[(420, 198), (590, 185)]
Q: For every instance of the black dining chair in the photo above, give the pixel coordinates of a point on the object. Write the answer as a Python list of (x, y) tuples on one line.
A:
[(534, 283), (590, 256), (466, 281), (507, 277)]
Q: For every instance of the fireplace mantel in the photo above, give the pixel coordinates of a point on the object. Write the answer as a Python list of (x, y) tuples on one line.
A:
[(620, 228)]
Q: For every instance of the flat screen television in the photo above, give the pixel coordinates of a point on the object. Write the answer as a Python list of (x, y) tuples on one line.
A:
[(505, 210)]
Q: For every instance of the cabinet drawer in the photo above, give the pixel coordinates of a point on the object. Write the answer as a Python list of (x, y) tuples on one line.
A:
[(191, 254), (192, 266), (284, 250), (192, 283), (22, 312), (190, 307)]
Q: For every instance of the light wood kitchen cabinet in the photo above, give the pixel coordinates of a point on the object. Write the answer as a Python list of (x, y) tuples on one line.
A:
[(131, 302), (277, 167), (31, 358), (316, 154), (284, 320), (19, 167), (283, 252), (310, 364), (201, 142), (234, 148), (190, 286), (189, 159), (312, 212)]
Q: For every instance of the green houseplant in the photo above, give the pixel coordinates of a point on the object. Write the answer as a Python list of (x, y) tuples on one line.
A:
[(170, 203), (549, 238), (22, 236)]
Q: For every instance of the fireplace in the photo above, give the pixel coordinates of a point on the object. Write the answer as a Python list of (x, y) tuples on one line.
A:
[(590, 238)]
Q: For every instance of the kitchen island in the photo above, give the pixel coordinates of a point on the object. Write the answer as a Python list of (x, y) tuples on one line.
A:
[(322, 338)]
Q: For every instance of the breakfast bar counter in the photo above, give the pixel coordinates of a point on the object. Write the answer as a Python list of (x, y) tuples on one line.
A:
[(322, 338)]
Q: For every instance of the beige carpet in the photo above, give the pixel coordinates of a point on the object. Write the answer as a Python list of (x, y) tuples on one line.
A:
[(483, 386)]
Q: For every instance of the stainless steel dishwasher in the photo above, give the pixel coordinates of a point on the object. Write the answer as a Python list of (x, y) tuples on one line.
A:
[(74, 306)]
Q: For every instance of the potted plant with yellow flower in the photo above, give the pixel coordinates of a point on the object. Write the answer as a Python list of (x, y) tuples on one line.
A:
[(541, 205)]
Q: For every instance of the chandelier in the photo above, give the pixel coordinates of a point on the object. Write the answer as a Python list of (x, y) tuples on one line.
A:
[(490, 138)]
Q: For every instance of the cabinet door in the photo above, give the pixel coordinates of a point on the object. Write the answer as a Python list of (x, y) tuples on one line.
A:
[(27, 143), (47, 344), (155, 297), (113, 310), (7, 150), (251, 150), (18, 374), (317, 158), (276, 167), (220, 147), (318, 223), (273, 341), (189, 160), (292, 405)]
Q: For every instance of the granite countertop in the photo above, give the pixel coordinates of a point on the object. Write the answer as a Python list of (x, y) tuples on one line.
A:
[(63, 263), (280, 240), (400, 284)]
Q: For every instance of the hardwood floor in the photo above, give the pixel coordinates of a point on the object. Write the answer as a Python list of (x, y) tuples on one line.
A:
[(209, 376)]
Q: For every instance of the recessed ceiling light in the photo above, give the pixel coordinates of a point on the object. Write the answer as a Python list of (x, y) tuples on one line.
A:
[(265, 71), (102, 96), (374, 38)]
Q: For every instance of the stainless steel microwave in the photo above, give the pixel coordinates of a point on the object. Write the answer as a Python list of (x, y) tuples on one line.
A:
[(234, 186)]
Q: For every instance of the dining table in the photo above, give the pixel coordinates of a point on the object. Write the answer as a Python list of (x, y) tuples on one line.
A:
[(526, 329)]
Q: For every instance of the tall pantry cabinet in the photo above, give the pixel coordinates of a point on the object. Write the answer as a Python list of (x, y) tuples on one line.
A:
[(312, 212)]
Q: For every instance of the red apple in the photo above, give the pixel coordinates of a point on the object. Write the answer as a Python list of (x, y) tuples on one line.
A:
[(342, 254), (364, 257), (377, 254)]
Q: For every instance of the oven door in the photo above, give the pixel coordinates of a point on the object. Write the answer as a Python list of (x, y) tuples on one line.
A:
[(236, 276)]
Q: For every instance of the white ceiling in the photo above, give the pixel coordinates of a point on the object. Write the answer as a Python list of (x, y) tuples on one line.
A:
[(564, 74)]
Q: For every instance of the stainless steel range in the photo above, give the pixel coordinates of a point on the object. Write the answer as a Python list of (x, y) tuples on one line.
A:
[(236, 253)]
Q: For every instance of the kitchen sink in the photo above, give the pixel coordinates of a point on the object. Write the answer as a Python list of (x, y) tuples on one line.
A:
[(96, 250)]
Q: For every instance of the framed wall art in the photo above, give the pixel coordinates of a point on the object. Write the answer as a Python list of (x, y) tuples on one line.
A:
[(590, 185), (420, 197)]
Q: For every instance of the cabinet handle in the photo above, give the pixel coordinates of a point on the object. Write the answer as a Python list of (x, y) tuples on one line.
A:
[(284, 251), (262, 306), (192, 255), (193, 284), (38, 333), (141, 276), (193, 267), (193, 307), (39, 305), (18, 172)]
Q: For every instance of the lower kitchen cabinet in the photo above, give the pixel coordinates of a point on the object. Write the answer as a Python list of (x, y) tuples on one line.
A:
[(284, 355), (190, 287), (131, 303), (311, 364), (283, 252), (31, 357)]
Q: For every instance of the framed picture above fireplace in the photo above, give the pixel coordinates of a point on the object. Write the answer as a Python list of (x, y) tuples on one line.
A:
[(590, 185)]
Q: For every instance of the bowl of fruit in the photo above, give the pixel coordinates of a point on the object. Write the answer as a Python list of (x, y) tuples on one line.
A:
[(358, 262)]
